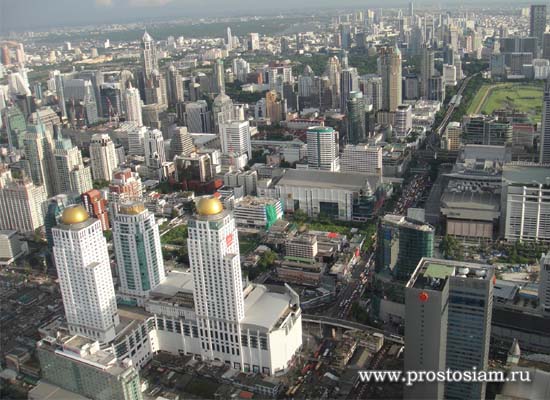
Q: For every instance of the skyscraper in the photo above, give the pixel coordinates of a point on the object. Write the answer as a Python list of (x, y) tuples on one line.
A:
[(155, 155), (355, 118), (322, 148), (218, 77), (274, 107), (181, 142), (132, 102), (228, 38), (544, 144), (537, 22), (448, 312), (96, 206), (389, 66), (21, 203), (228, 315), (72, 175), (348, 83), (427, 70), (138, 252), (235, 138), (149, 54), (222, 110), (39, 153), (83, 267), (402, 242), (103, 156)]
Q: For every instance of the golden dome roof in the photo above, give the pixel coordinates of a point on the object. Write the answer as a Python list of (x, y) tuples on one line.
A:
[(74, 215), (209, 206), (132, 208)]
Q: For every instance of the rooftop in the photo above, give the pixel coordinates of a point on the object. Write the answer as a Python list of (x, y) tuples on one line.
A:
[(328, 180), (264, 308), (526, 174)]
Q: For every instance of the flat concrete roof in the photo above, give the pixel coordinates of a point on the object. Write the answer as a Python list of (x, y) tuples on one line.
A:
[(263, 308), (526, 174), (330, 180)]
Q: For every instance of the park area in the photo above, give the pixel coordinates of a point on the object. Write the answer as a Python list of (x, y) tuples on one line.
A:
[(511, 96)]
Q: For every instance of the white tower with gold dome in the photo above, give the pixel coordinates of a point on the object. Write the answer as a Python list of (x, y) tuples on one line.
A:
[(83, 267)]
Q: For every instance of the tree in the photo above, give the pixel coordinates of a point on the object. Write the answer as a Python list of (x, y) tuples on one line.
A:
[(451, 248), (266, 260)]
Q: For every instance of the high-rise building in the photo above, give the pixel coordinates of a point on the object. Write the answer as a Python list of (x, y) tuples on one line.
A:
[(275, 107), (348, 83), (218, 77), (372, 89), (84, 270), (427, 70), (544, 284), (155, 155), (132, 102), (241, 69), (197, 117), (250, 328), (253, 41), (526, 202), (389, 66), (181, 142), (222, 110), (72, 175), (403, 121), (544, 143), (235, 138), (451, 138), (486, 130), (96, 206), (361, 158), (228, 38), (136, 138), (149, 54), (332, 72), (138, 253), (355, 118), (54, 209), (448, 312), (39, 152), (103, 157), (78, 365), (174, 86), (402, 243), (322, 148), (537, 21), (124, 187), (22, 203)]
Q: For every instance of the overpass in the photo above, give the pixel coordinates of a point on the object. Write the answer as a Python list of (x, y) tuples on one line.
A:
[(342, 323)]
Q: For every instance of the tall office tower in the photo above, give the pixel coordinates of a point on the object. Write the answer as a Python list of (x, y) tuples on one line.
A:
[(149, 55), (111, 100), (322, 148), (228, 38), (155, 155), (544, 284), (228, 316), (448, 312), (372, 88), (355, 118), (345, 36), (544, 143), (181, 142), (427, 70), (15, 125), (403, 242), (21, 203), (155, 91), (198, 118), (174, 86), (332, 71), (526, 202), (253, 41), (218, 77), (361, 158), (411, 9), (6, 56), (305, 82), (274, 107), (132, 103), (537, 25), (389, 66), (124, 187), (403, 120), (138, 253), (39, 153), (222, 110), (241, 69), (103, 156), (451, 138), (77, 364), (72, 175), (96, 206), (235, 138), (84, 270), (136, 139), (349, 82), (546, 46), (60, 91)]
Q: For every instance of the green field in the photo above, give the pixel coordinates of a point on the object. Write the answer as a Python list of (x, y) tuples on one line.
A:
[(511, 96)]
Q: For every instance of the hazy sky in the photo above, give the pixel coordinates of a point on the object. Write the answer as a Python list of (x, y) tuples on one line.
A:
[(29, 14), (33, 14)]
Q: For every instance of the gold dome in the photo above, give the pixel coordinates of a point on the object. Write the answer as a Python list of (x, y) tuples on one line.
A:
[(209, 206), (74, 215), (132, 208)]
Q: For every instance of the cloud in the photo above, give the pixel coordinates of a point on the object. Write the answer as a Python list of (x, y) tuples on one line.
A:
[(148, 3), (104, 3)]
